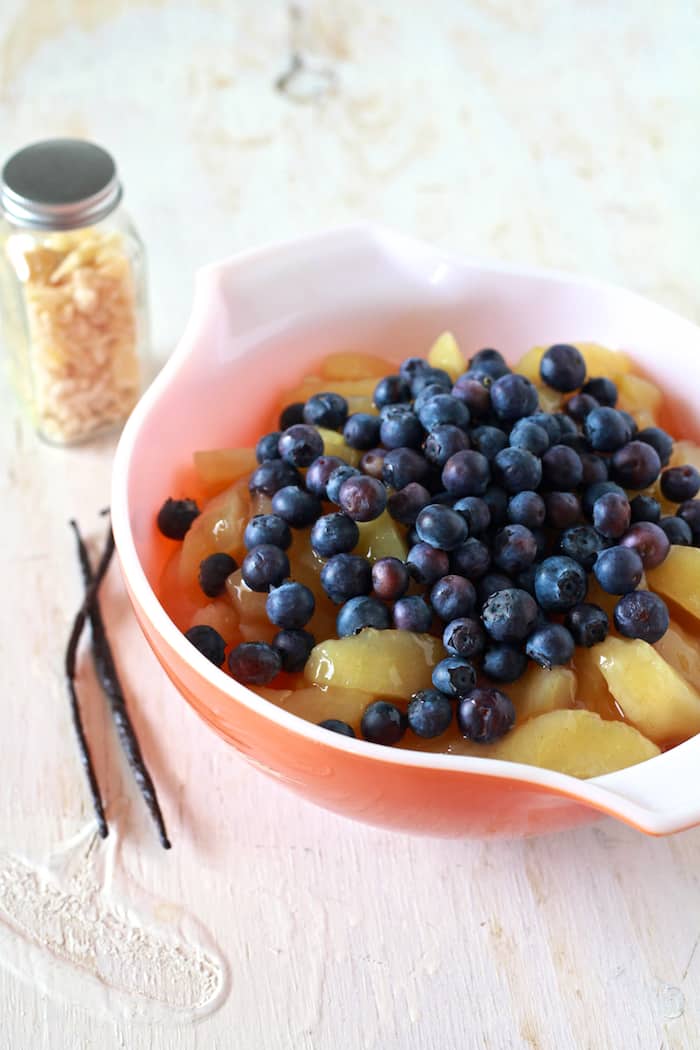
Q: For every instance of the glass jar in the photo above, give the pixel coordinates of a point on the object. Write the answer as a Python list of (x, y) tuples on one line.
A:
[(72, 289)]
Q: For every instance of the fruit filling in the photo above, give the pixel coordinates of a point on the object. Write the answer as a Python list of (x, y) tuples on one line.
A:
[(457, 556)]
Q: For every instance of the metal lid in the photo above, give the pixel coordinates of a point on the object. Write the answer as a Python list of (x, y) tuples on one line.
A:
[(59, 184)]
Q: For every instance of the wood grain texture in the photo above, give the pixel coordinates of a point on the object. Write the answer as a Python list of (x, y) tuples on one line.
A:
[(452, 126)]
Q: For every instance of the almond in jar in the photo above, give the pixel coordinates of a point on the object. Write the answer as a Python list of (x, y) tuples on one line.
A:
[(72, 289)]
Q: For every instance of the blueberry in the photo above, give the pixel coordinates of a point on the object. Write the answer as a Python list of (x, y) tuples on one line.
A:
[(595, 468), (659, 440), (208, 641), (509, 615), (474, 394), (336, 725), (433, 377), (402, 466), (294, 647), (471, 559), (320, 471), (526, 508), (412, 614), (427, 564), (560, 584), (453, 597), (689, 512), (563, 509), (485, 715), (563, 368), (595, 491), (363, 498), (577, 442), (372, 462), (346, 576), (567, 427), (611, 515), (606, 429), (580, 405), (391, 390), (482, 374), (214, 571), (383, 723), (362, 430), (550, 646), (602, 389), (296, 506), (466, 473), (504, 663), (514, 548), (548, 422), (679, 484), (337, 478), (490, 584), (429, 713), (497, 502), (517, 470), (291, 415), (272, 475), (583, 544), (442, 442), (678, 531), (334, 534), (390, 578), (562, 468), (464, 637), (300, 445), (255, 663), (176, 516), (361, 612), (327, 410), (642, 614), (411, 367), (588, 624), (525, 580), (490, 361), (529, 436), (268, 529), (645, 508), (443, 409), (291, 605), (475, 512), (489, 441), (636, 465), (649, 541), (618, 570), (631, 422), (427, 391), (401, 429), (264, 566), (454, 677), (406, 504), (512, 397), (267, 447), (542, 541), (441, 527)]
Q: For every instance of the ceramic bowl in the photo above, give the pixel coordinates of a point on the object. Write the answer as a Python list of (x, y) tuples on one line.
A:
[(260, 322)]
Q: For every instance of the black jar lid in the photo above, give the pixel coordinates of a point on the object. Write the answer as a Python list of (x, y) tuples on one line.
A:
[(59, 184)]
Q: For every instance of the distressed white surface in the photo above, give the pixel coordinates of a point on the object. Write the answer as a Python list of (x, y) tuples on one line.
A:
[(563, 134)]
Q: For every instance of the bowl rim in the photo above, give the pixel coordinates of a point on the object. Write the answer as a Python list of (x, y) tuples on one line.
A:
[(598, 792)]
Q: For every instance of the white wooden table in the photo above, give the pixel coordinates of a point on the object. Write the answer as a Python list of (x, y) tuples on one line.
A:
[(558, 134)]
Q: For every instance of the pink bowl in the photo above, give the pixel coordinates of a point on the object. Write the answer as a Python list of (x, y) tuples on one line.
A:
[(260, 322)]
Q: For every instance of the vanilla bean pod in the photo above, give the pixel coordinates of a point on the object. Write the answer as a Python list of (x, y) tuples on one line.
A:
[(108, 677), (70, 660)]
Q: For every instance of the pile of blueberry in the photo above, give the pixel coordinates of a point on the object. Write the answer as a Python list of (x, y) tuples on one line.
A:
[(507, 511)]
